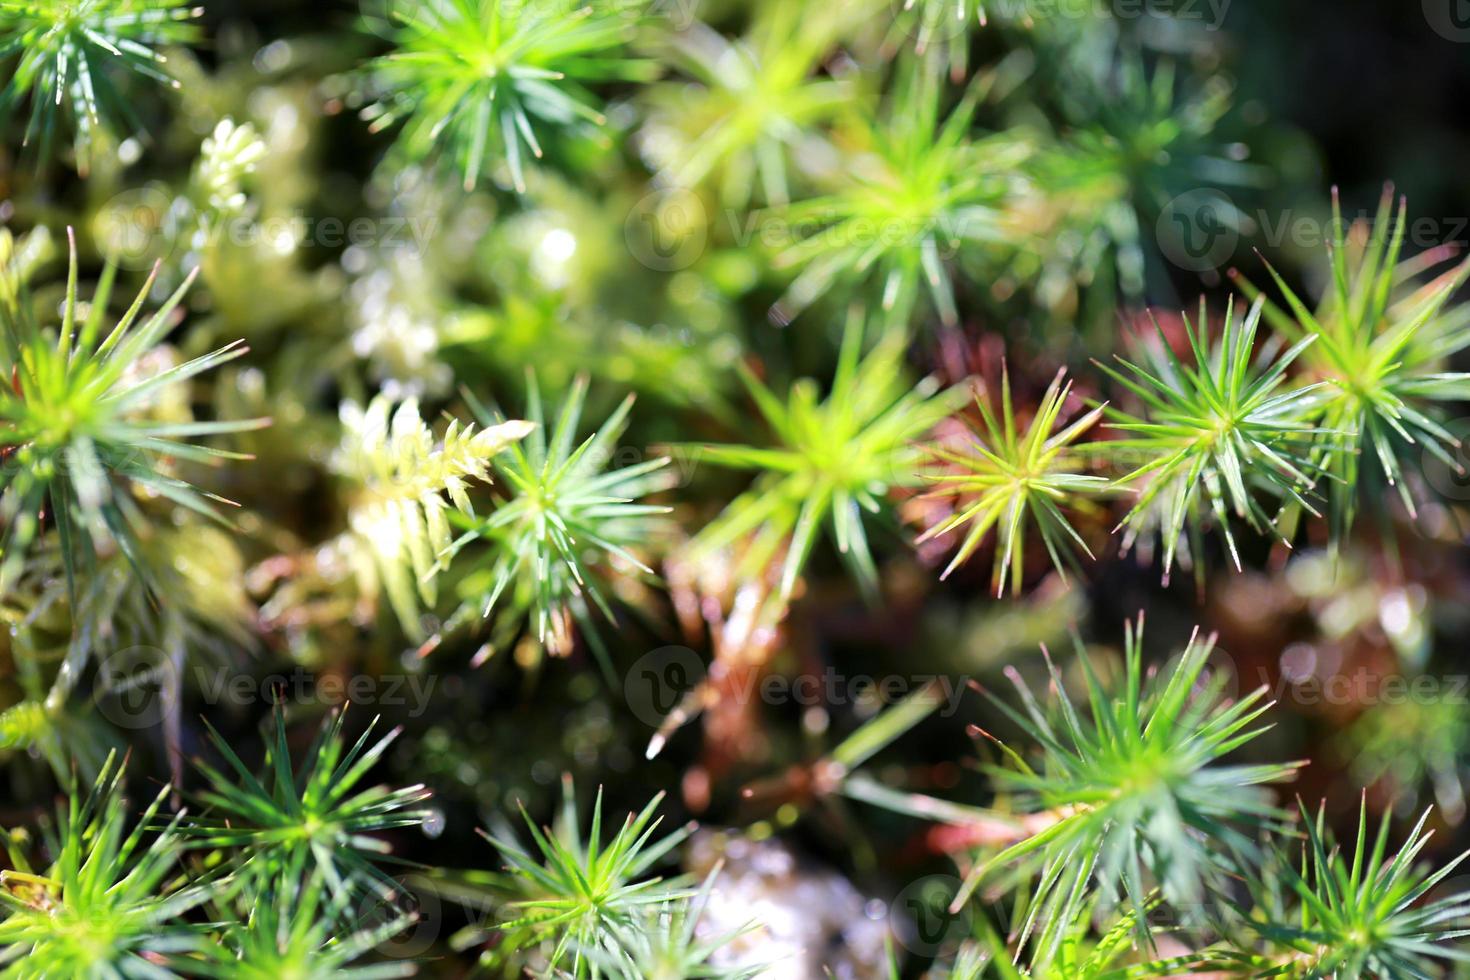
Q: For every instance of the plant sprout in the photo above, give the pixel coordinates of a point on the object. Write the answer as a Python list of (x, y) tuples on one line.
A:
[(753, 100), (1378, 352), (71, 59), (1371, 915), (575, 893), (315, 819), (291, 930), (932, 192), (109, 903), (77, 440), (1134, 788), (1004, 476), (567, 516), (473, 80), (400, 516), (1215, 433), (837, 459)]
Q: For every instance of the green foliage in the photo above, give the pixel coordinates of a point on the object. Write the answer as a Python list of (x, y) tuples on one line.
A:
[(120, 903), (206, 214), (1371, 915), (575, 898), (472, 80), (568, 523), (79, 438), (108, 902), (48, 654), (228, 155), (1129, 140), (1416, 748), (1215, 434), (1112, 955), (1378, 353), (1003, 477), (661, 942), (930, 191), (940, 30), (1133, 790), (115, 617), (314, 819), (20, 258), (71, 59), (687, 180), (751, 103), (290, 930), (837, 458)]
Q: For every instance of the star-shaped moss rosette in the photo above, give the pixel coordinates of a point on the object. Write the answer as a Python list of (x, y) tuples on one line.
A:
[(752, 101), (1380, 345), (484, 82), (1216, 437), (315, 817), (1138, 179), (926, 190), (1007, 481), (280, 925), (111, 901), (78, 441), (835, 459), (1316, 911), (70, 64), (551, 549), (571, 896), (1136, 787)]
